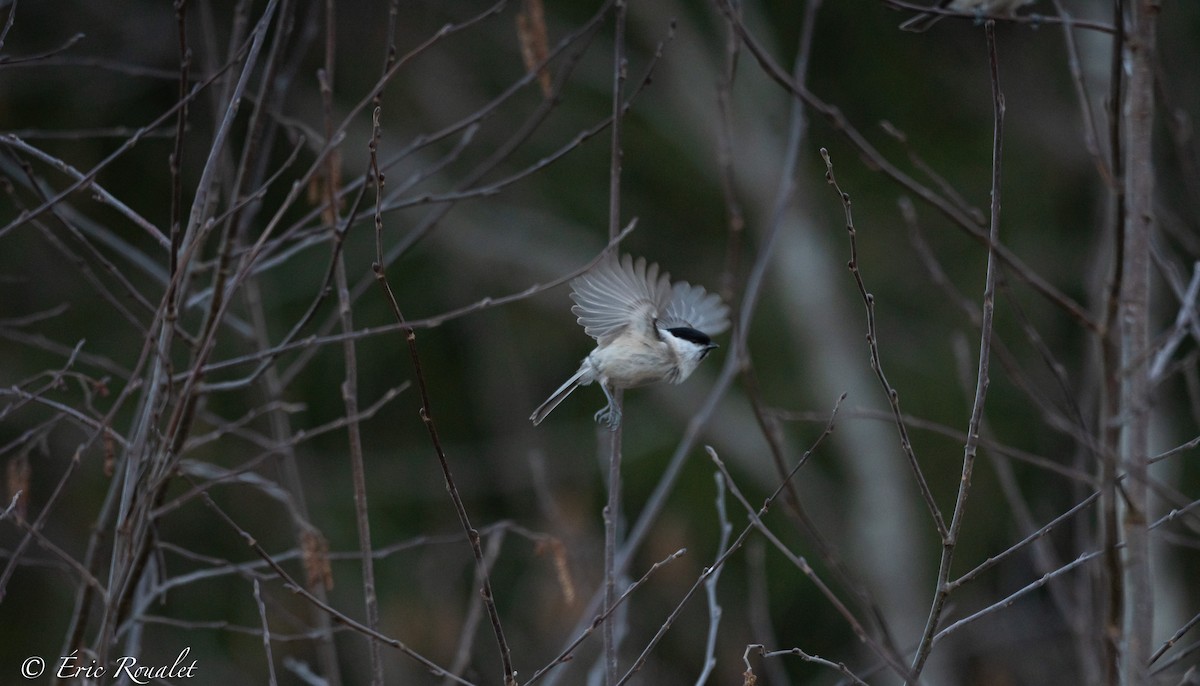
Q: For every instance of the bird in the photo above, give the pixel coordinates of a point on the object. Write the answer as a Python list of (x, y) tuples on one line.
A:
[(923, 21), (647, 330)]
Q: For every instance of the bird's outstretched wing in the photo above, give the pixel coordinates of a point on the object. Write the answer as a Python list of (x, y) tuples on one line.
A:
[(694, 307), (619, 294)]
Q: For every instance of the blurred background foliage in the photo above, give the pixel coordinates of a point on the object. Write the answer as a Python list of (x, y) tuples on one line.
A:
[(79, 78)]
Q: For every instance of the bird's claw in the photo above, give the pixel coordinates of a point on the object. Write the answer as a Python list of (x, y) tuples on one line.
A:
[(609, 416)]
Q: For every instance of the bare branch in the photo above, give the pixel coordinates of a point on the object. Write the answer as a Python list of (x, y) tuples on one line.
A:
[(876, 364), (950, 537), (761, 650)]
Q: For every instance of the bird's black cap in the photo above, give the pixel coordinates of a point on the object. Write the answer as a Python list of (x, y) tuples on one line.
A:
[(687, 333)]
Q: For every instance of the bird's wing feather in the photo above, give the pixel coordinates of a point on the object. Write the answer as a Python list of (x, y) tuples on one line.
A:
[(694, 307), (619, 294)]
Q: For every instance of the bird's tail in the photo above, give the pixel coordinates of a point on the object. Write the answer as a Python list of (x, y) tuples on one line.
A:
[(558, 396), (924, 20), (920, 23)]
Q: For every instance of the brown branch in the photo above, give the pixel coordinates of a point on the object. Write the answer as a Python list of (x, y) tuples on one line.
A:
[(837, 121), (509, 674), (884, 651), (1111, 577), (735, 546), (1138, 120), (816, 660), (950, 538), (1043, 580), (612, 442), (893, 396), (349, 387), (1091, 136), (1170, 642), (1031, 20), (338, 616), (266, 634), (1020, 545), (33, 532), (601, 618), (290, 343)]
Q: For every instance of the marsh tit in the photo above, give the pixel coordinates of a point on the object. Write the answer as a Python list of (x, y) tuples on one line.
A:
[(646, 330), (923, 21)]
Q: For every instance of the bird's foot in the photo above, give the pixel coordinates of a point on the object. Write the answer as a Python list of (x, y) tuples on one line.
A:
[(609, 416)]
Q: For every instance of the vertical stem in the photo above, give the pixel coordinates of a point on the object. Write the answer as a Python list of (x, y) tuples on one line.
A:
[(612, 521), (1110, 575), (612, 511), (349, 353), (358, 471), (1134, 313), (618, 86)]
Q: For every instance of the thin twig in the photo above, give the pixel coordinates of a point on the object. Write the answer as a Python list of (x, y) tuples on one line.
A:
[(509, 675), (601, 618), (41, 57), (266, 357), (1175, 659), (100, 193), (759, 610), (1182, 448), (34, 532), (1041, 462), (840, 124), (884, 652), (349, 385), (12, 505), (266, 633), (1170, 642), (893, 396), (1091, 137), (470, 624), (1008, 600), (8, 23), (1020, 545), (950, 537), (710, 586), (733, 548), (1184, 320), (735, 218), (838, 666), (1032, 20), (299, 589)]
